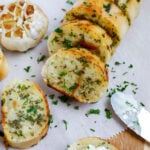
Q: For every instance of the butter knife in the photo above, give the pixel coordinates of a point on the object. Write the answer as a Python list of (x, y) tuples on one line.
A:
[(132, 113)]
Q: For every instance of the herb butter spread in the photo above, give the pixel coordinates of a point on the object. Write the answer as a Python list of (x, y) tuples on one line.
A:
[(24, 109)]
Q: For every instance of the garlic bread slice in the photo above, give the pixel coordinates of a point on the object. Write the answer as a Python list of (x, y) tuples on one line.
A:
[(3, 66), (102, 12), (92, 143), (76, 73), (129, 7), (82, 33), (22, 25), (25, 113)]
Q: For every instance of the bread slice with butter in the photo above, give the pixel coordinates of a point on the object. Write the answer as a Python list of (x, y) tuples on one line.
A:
[(25, 113), (102, 12), (129, 7), (76, 73), (92, 143), (3, 66), (82, 33), (22, 25)]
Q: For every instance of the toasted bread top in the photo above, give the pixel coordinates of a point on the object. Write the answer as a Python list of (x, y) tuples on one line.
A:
[(25, 111), (76, 73), (102, 12), (82, 33)]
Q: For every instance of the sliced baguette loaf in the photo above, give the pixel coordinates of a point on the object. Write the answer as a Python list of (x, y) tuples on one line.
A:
[(3, 66), (82, 33), (102, 12), (92, 143), (25, 113), (76, 73)]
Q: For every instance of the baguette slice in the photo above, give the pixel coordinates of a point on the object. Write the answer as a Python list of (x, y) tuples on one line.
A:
[(22, 25), (82, 33), (102, 12), (76, 73), (92, 143), (129, 7), (3, 66), (25, 113)]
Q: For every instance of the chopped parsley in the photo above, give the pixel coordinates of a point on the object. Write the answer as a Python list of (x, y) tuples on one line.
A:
[(55, 102), (27, 69), (142, 104), (92, 111), (123, 6), (130, 66), (67, 43), (107, 7), (117, 63), (108, 114), (83, 60), (51, 119), (66, 124), (33, 76), (87, 4), (58, 30), (46, 37), (62, 73), (41, 58), (32, 109), (65, 99), (92, 130), (76, 107), (69, 2), (51, 96)]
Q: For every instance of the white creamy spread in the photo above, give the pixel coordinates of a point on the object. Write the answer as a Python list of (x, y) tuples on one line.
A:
[(92, 147)]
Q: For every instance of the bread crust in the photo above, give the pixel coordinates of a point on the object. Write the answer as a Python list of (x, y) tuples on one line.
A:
[(76, 73), (3, 66), (102, 12), (95, 141), (24, 143), (25, 32), (82, 33)]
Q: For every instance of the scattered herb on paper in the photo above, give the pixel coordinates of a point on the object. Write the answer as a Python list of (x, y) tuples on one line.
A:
[(27, 69), (69, 2), (92, 111), (41, 58), (108, 114), (66, 124)]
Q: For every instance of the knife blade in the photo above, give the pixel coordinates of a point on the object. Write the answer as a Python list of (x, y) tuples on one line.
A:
[(132, 113)]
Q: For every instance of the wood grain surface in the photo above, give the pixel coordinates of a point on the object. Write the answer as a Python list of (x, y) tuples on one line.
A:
[(128, 140)]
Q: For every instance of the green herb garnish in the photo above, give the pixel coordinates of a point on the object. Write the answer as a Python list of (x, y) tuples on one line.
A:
[(108, 113), (27, 69), (69, 2), (66, 124), (41, 58), (93, 111), (107, 7), (58, 30)]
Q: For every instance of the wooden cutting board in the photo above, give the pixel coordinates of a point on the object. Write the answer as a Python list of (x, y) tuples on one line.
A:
[(128, 140)]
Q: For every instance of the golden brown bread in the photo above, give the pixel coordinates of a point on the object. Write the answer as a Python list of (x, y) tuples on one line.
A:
[(102, 12), (76, 73), (25, 113), (3, 66), (82, 33)]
